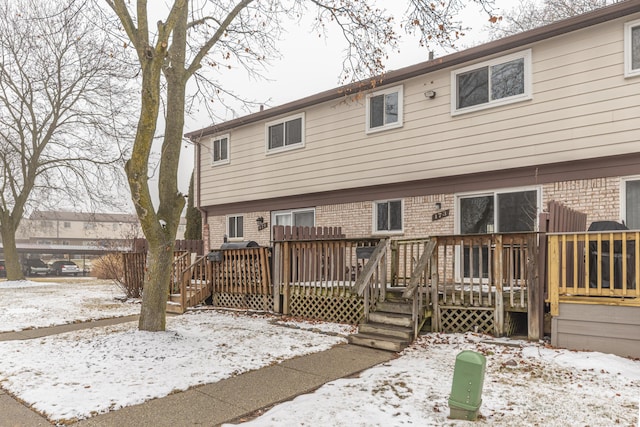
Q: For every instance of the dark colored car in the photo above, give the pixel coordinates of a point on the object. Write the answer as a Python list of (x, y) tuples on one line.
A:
[(34, 266), (3, 272), (60, 268)]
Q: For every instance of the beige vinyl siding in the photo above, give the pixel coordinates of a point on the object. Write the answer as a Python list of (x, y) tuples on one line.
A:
[(582, 107)]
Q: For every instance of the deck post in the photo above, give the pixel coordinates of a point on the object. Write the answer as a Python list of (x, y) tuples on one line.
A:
[(286, 259), (554, 274), (498, 265), (535, 293)]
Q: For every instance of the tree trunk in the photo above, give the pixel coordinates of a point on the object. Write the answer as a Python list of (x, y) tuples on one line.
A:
[(12, 263), (156, 288)]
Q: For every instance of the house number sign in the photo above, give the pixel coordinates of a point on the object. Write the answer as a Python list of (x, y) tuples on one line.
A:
[(439, 215)]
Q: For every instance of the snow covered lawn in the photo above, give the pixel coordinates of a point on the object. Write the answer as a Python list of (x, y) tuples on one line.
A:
[(29, 304), (525, 385), (79, 374)]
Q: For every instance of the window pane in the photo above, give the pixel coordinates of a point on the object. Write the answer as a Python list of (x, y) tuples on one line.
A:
[(223, 149), (283, 219), (276, 135), (633, 204), (507, 79), (293, 131), (382, 216), (376, 111), (303, 219), (239, 226), (476, 215), (232, 226), (635, 48), (517, 211), (216, 150), (473, 87), (391, 108), (395, 215)]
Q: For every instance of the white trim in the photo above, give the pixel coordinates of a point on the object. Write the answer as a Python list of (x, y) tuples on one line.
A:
[(628, 70), (528, 91), (226, 220), (374, 216), (291, 212), (395, 89), (493, 192), (283, 120), (213, 141), (623, 196)]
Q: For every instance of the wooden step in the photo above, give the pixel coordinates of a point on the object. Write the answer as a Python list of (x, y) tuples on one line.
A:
[(382, 342), (403, 307), (173, 307), (396, 319), (388, 330)]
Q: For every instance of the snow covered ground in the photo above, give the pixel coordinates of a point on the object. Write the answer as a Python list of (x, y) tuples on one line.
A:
[(76, 375)]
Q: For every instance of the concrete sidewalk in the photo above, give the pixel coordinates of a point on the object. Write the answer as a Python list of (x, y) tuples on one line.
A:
[(217, 403)]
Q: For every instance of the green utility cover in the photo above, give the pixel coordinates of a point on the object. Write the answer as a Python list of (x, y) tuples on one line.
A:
[(468, 379)]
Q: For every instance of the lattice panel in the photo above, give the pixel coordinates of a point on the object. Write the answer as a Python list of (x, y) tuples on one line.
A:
[(333, 309), (462, 319), (244, 301)]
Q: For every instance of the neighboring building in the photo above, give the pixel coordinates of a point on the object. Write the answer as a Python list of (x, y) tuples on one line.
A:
[(78, 229), (474, 142)]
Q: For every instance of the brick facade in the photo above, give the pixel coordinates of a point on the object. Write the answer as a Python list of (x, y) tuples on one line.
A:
[(598, 198)]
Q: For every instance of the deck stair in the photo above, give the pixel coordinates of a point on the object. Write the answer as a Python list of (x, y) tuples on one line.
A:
[(192, 284), (390, 326)]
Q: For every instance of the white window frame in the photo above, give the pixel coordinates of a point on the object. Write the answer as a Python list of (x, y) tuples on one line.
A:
[(290, 212), (227, 220), (493, 193), (374, 215), (283, 120), (393, 125), (623, 196), (215, 162), (456, 225), (528, 91), (629, 71)]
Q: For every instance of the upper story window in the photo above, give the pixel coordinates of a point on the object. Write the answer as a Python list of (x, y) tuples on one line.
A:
[(286, 133), (384, 109), (220, 150), (496, 82), (67, 224), (388, 216), (632, 48), (235, 227)]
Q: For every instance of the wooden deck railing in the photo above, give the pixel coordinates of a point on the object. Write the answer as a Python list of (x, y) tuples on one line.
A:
[(327, 268), (372, 283), (181, 260), (594, 267), (419, 288), (243, 271)]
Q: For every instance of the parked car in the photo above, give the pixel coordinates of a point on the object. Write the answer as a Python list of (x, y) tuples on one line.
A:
[(59, 268), (34, 266), (3, 272)]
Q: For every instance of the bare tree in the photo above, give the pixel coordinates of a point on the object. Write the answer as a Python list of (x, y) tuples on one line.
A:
[(530, 14), (199, 38), (61, 111)]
